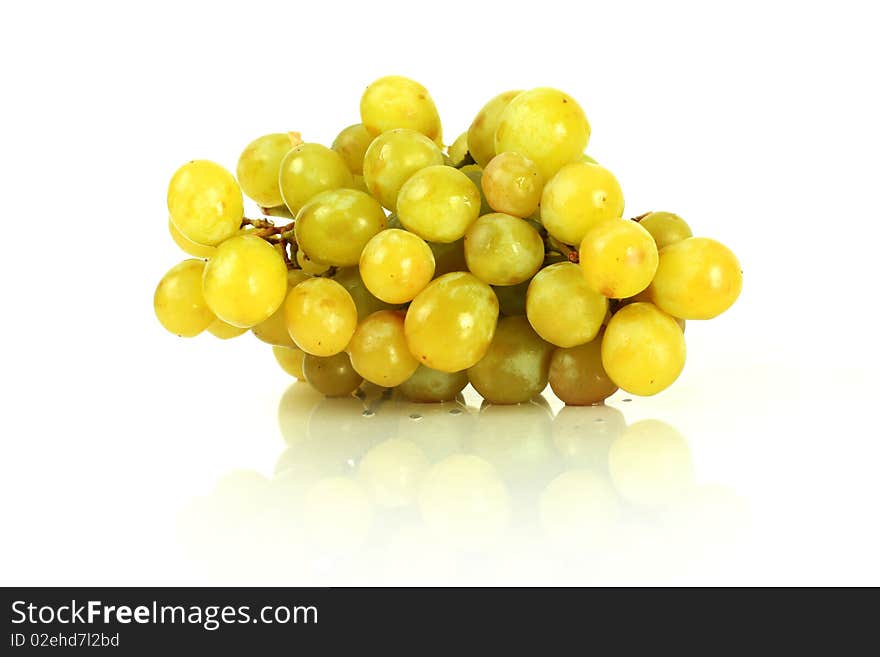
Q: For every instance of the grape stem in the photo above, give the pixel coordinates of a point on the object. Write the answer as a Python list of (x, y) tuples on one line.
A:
[(281, 235), (641, 216)]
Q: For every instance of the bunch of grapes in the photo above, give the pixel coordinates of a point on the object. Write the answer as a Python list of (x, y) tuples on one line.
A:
[(504, 262)]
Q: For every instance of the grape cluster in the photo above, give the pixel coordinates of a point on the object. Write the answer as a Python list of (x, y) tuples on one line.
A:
[(504, 262)]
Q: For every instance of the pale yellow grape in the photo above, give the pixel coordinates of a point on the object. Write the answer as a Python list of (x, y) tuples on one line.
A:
[(352, 144), (331, 375), (335, 225), (259, 165), (321, 316), (458, 150), (397, 102), (379, 352), (396, 265), (618, 258), (309, 266), (512, 184), (220, 329), (562, 308), (481, 135), (179, 303), (310, 169), (475, 173), (697, 278), (450, 324), (187, 245), (547, 126), (643, 349), (429, 385), (438, 203), (579, 197), (366, 303), (291, 360), (503, 250), (666, 228), (274, 329), (577, 376), (205, 202), (392, 158)]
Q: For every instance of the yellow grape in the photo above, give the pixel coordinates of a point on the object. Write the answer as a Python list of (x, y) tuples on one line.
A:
[(503, 250), (392, 158), (335, 226), (396, 265), (438, 203), (666, 228), (512, 184), (290, 359), (618, 258), (205, 202), (562, 308), (220, 329), (352, 144), (321, 316), (450, 324), (246, 280), (397, 102), (366, 303), (309, 266), (475, 173), (310, 169), (481, 135), (547, 126), (187, 245), (259, 165), (379, 352), (458, 150), (332, 375), (577, 376), (179, 303), (274, 329), (643, 349), (429, 385), (697, 278), (360, 184), (579, 197)]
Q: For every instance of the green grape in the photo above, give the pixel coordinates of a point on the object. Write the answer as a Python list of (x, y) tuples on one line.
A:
[(352, 144), (458, 150), (429, 385), (331, 375), (578, 198), (392, 158), (220, 329), (618, 258), (577, 376), (364, 301), (547, 126), (512, 184), (475, 173), (187, 245), (205, 202), (335, 226), (438, 203), (309, 266), (697, 278), (259, 166), (666, 228), (450, 324), (291, 360), (308, 170), (379, 352), (503, 250), (246, 280), (516, 366), (448, 257), (274, 329), (321, 316), (512, 298), (179, 303), (562, 308), (392, 472), (481, 135), (643, 349), (396, 265), (397, 102)]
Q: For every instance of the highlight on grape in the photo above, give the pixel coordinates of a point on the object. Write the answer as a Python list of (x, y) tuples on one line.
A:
[(503, 261)]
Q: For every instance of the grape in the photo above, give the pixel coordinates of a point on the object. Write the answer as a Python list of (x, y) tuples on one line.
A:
[(396, 265), (450, 324), (458, 150), (475, 173), (308, 170), (503, 250), (643, 349), (274, 329), (562, 308), (666, 228), (512, 298), (246, 280), (259, 166), (579, 197), (352, 144), (392, 472), (587, 158), (697, 278), (364, 301), (309, 266), (428, 385), (547, 126), (220, 329), (205, 202), (515, 367), (335, 226), (331, 375), (392, 158), (481, 135), (179, 303), (512, 184), (360, 184), (291, 360), (397, 102), (321, 316), (618, 258), (577, 376), (379, 352), (438, 203), (448, 257), (187, 245)]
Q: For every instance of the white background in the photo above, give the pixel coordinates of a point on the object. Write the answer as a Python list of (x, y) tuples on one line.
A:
[(757, 122)]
